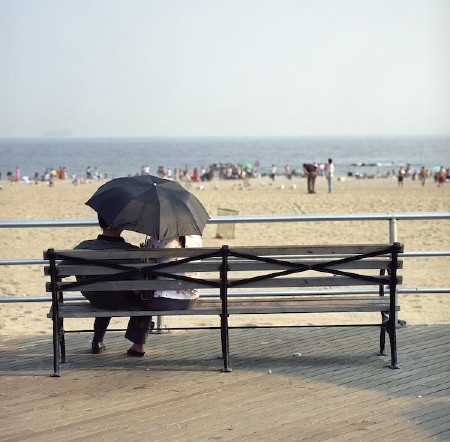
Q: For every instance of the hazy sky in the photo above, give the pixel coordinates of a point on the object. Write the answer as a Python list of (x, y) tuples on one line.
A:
[(224, 67)]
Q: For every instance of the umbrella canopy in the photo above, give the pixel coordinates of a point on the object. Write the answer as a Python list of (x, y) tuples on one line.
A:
[(151, 205)]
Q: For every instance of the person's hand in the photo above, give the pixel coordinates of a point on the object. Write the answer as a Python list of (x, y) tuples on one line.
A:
[(143, 245)]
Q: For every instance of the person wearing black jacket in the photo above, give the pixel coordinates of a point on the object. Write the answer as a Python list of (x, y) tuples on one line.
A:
[(138, 326)]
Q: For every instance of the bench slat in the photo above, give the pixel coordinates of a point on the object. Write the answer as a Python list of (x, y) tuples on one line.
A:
[(310, 250), (84, 309), (325, 281), (211, 266), (332, 249), (128, 254)]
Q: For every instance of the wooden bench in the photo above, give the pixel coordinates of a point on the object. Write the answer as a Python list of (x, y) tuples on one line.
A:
[(238, 281)]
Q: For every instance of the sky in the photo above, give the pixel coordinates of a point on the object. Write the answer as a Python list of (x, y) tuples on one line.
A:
[(181, 68)]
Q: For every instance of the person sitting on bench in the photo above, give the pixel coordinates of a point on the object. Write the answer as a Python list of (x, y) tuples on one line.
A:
[(138, 326), (173, 299)]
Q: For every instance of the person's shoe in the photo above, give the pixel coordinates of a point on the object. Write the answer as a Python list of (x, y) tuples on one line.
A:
[(98, 347), (131, 352)]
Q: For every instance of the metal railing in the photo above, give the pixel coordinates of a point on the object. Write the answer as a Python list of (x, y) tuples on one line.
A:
[(390, 217)]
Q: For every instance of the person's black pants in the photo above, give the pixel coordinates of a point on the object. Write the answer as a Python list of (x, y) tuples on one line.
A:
[(138, 326)]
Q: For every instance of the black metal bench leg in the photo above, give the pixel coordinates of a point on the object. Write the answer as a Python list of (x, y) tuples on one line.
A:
[(62, 340), (384, 320), (225, 343), (393, 342), (56, 347)]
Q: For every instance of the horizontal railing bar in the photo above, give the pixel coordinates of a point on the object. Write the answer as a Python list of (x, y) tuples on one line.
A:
[(329, 217), (24, 261), (414, 290), (248, 219), (420, 253)]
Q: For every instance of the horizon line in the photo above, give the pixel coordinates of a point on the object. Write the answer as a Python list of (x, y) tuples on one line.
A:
[(144, 137)]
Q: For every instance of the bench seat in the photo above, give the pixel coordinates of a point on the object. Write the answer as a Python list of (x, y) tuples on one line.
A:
[(264, 305)]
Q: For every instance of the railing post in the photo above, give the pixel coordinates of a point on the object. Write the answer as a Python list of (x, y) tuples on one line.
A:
[(392, 240), (393, 304), (159, 324), (392, 230)]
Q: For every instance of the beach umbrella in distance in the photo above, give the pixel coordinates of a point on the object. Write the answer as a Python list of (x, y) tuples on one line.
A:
[(151, 205)]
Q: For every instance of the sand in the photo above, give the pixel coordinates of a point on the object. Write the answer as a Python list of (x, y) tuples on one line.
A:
[(63, 200)]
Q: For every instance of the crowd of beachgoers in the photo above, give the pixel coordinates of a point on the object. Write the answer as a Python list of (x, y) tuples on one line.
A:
[(227, 171)]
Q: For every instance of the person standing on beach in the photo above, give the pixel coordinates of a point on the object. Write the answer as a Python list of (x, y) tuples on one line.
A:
[(310, 171), (400, 176), (287, 171), (423, 175), (273, 172), (329, 171), (138, 326), (442, 176)]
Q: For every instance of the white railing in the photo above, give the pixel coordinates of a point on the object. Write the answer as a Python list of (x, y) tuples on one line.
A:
[(390, 217)]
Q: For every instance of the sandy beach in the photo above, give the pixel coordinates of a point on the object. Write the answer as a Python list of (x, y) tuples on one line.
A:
[(64, 200)]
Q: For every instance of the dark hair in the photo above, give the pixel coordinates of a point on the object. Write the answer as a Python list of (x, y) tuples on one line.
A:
[(102, 223)]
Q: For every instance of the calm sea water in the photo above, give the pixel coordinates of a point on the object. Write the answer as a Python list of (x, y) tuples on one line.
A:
[(121, 157)]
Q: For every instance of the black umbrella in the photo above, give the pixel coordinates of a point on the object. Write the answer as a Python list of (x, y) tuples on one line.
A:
[(148, 204)]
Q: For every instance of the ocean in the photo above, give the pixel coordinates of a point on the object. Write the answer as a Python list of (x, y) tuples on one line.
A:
[(362, 156)]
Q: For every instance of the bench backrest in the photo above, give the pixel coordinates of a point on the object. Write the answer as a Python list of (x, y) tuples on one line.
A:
[(227, 270)]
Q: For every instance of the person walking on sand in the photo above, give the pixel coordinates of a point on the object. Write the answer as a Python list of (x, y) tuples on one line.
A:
[(329, 171)]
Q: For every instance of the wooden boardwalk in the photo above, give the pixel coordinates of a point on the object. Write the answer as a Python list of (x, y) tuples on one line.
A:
[(320, 384)]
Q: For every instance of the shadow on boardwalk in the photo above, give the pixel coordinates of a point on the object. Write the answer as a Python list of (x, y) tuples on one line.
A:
[(286, 384)]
